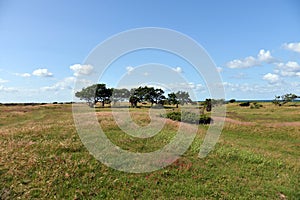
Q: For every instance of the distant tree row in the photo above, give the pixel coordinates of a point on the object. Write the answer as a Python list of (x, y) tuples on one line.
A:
[(100, 93)]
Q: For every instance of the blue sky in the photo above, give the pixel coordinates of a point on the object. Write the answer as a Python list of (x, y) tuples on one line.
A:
[(254, 44)]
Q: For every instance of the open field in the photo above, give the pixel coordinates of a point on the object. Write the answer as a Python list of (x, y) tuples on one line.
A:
[(257, 157)]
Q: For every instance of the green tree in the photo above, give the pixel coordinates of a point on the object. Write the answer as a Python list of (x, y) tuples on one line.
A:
[(288, 98), (146, 94), (232, 101), (276, 101), (88, 94), (103, 94), (135, 97), (95, 93), (119, 95), (172, 99), (283, 99), (158, 96), (183, 97), (208, 105)]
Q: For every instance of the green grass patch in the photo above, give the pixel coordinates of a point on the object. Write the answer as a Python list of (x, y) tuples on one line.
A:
[(42, 157)]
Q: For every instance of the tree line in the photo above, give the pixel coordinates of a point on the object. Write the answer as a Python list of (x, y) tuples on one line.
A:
[(100, 93)]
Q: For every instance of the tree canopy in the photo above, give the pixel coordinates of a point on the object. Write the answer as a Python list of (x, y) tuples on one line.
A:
[(100, 93), (95, 93)]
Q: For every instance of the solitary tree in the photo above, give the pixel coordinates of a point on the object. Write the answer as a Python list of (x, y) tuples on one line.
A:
[(208, 104), (281, 100), (232, 100), (288, 97)]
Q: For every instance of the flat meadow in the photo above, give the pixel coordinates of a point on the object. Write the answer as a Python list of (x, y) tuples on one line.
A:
[(256, 157)]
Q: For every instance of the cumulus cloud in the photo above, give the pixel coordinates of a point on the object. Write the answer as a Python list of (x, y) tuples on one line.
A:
[(80, 70), (66, 83), (129, 69), (237, 87), (250, 90), (7, 89), (186, 86), (42, 73), (288, 69), (243, 63), (294, 46), (271, 78), (177, 69), (219, 69), (265, 56), (250, 61), (3, 81), (23, 75)]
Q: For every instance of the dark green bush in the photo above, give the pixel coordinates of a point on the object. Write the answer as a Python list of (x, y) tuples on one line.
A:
[(188, 117), (232, 100), (245, 104)]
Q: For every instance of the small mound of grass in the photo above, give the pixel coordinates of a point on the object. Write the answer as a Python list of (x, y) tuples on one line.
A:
[(188, 117)]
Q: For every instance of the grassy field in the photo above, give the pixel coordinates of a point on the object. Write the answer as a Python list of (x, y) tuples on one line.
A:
[(42, 157)]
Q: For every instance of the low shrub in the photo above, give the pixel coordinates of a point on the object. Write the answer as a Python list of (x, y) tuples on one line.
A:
[(255, 105), (188, 117), (245, 104)]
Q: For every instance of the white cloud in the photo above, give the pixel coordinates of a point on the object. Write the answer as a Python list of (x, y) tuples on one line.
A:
[(7, 89), (250, 61), (240, 75), (265, 56), (80, 70), (42, 73), (271, 78), (186, 86), (292, 46), (23, 75), (288, 69), (177, 69), (66, 83), (3, 81), (243, 63), (245, 90), (129, 69), (237, 87), (219, 69)]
